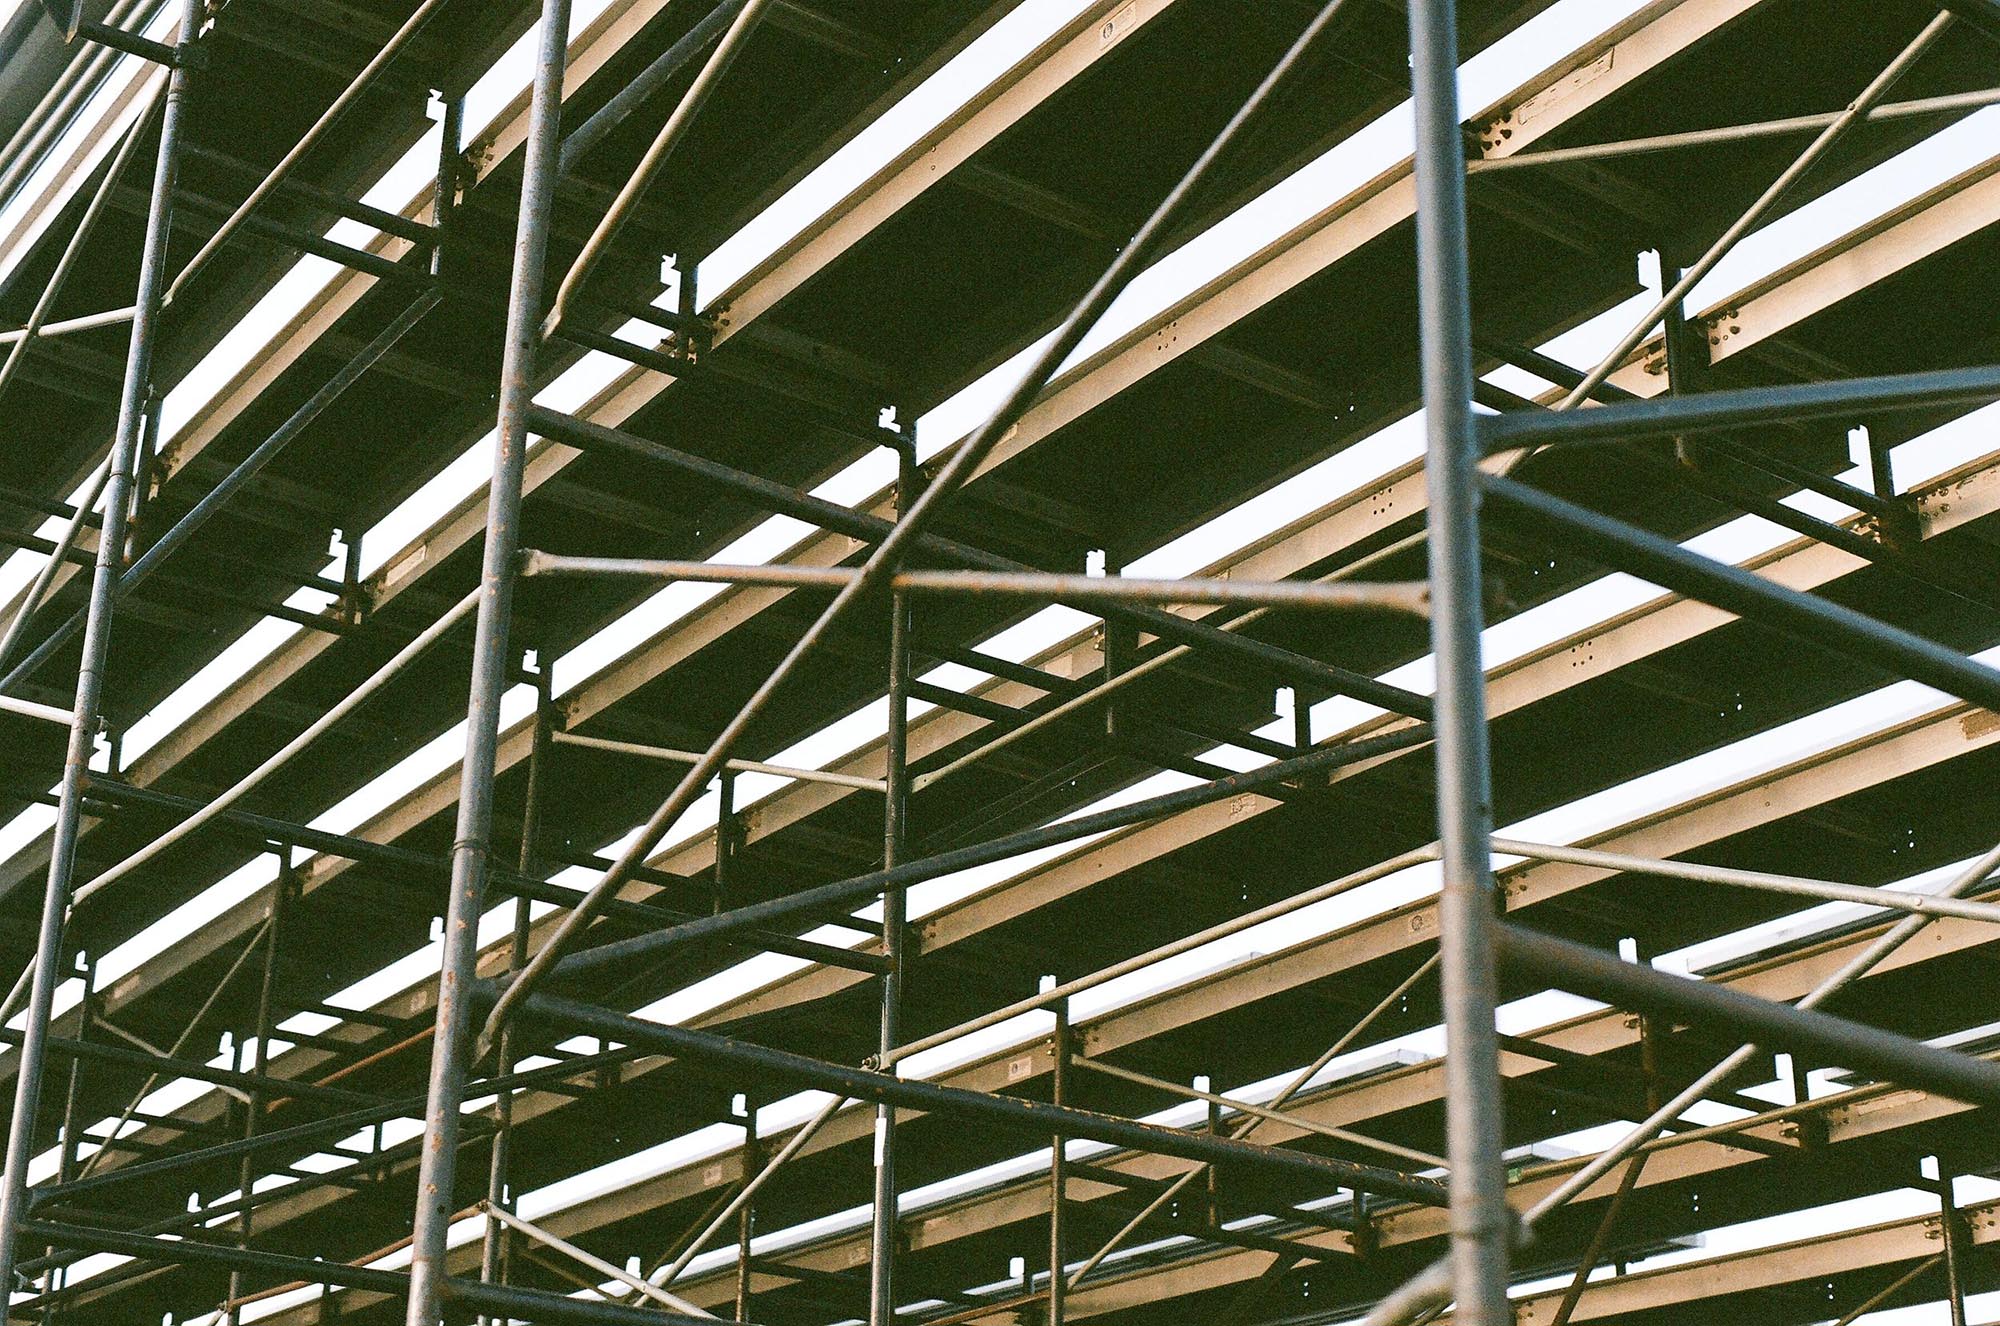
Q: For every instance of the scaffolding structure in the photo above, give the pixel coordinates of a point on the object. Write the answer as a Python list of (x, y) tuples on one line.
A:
[(1039, 1003)]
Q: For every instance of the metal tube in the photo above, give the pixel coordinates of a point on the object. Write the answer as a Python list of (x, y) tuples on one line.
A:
[(1300, 1081), (321, 127), (66, 1166), (594, 1262), (1173, 948), (85, 227), (241, 474), (1431, 1289), (60, 554), (130, 43), (260, 1066), (1736, 407), (64, 326), (883, 560), (825, 896), (884, 1227), (1877, 88), (471, 843), (1669, 565), (1922, 903), (789, 501), (526, 1304), (495, 1245), (1413, 598), (740, 1201), (377, 1112), (1264, 1112), (1481, 1224), (1951, 1226), (746, 1214), (1882, 1295), (1734, 133), (289, 751), (1643, 989), (668, 753), (669, 137), (1059, 1050), (645, 83), (1005, 1111), (90, 673)]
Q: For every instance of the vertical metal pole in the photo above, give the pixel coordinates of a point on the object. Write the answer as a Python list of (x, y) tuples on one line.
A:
[(496, 1249), (68, 1163), (90, 671), (727, 831), (1952, 1228), (259, 1063), (1059, 1044), (1480, 1223), (1686, 354), (895, 916), (746, 1218), (473, 840)]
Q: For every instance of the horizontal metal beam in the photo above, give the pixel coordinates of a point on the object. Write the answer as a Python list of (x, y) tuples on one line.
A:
[(1705, 411), (504, 1300), (1008, 1111), (1666, 563), (1638, 988), (1406, 597), (824, 896), (784, 500)]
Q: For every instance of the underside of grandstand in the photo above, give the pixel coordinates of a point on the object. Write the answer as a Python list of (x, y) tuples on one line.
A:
[(1256, 662)]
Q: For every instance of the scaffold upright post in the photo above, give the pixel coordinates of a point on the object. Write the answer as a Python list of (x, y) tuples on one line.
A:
[(1480, 1223), (472, 843), (884, 1230), (496, 1247), (86, 711)]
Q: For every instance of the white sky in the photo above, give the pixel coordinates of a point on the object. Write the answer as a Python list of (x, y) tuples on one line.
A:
[(1376, 147)]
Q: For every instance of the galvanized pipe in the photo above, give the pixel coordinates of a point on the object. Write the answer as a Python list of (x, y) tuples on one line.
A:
[(884, 1226), (1481, 1224), (825, 896), (495, 1245), (645, 83), (594, 1262), (86, 714), (1734, 133), (1005, 1111), (239, 475), (741, 1199), (1266, 1113), (1740, 406), (785, 500), (1877, 88), (290, 751), (1081, 590), (1924, 904), (1430, 1289), (674, 756), (1671, 566), (523, 1304), (884, 559), (331, 116), (641, 179), (1584, 970), (1299, 1082), (85, 227), (260, 1067), (472, 842)]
